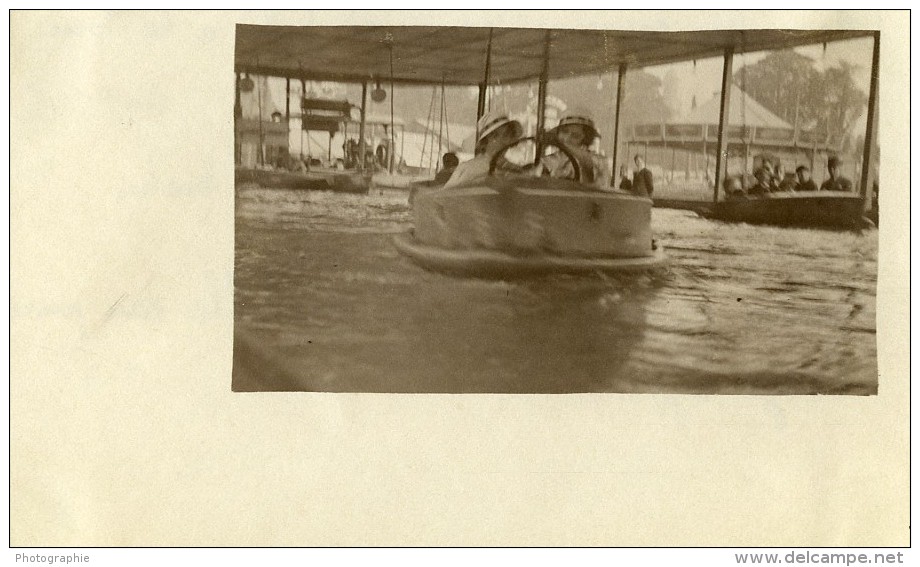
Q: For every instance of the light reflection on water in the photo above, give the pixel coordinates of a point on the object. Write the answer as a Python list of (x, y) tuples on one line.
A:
[(325, 303)]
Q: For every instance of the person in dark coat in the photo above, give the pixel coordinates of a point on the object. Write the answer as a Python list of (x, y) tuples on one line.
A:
[(642, 183), (450, 163), (804, 180), (836, 182)]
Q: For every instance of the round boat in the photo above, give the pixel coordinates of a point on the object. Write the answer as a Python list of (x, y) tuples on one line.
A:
[(523, 226)]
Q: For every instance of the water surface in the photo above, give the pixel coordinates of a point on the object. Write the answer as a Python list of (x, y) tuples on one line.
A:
[(324, 302)]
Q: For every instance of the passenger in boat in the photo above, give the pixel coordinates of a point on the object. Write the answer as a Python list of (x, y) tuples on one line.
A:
[(576, 131), (642, 179), (763, 187), (450, 163), (496, 131), (782, 180), (836, 182), (805, 182), (625, 181), (733, 189)]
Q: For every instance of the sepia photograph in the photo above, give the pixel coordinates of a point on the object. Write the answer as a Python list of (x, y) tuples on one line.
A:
[(307, 280), (427, 209)]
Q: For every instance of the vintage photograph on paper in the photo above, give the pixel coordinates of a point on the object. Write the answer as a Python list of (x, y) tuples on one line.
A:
[(424, 209)]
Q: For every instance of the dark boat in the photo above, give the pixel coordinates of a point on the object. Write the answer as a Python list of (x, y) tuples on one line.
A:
[(809, 209), (340, 182)]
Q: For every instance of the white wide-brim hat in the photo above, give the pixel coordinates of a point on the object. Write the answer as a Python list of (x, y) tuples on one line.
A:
[(492, 121), (578, 118)]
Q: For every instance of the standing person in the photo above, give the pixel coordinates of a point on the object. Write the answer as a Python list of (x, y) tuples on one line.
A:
[(450, 163), (576, 131), (496, 131), (642, 183), (625, 181), (836, 182), (804, 180)]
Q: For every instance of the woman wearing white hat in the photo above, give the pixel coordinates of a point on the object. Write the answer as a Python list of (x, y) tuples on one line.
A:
[(577, 132), (496, 131)]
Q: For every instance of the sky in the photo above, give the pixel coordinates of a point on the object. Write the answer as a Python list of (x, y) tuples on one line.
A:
[(706, 77)]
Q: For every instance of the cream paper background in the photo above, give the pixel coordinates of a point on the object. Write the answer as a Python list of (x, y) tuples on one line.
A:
[(124, 430)]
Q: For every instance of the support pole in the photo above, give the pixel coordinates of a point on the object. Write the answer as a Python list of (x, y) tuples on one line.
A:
[(621, 76), (440, 128), (673, 162), (261, 132), (287, 100), (237, 115), (541, 97), (303, 95), (724, 105), (484, 85), (871, 128), (391, 150), (362, 147)]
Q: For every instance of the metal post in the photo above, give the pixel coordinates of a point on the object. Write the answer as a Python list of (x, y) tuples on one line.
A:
[(724, 105), (303, 95), (362, 147), (261, 133), (621, 75), (871, 128), (237, 115), (440, 128), (673, 159), (391, 153), (287, 100), (541, 97), (484, 85)]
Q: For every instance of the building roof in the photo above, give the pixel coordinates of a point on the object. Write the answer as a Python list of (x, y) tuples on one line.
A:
[(743, 111)]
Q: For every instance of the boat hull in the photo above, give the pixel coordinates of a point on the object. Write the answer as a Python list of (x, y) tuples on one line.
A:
[(510, 227), (494, 264), (311, 181), (813, 209)]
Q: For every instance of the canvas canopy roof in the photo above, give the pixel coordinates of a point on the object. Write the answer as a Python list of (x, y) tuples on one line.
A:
[(456, 55), (744, 111)]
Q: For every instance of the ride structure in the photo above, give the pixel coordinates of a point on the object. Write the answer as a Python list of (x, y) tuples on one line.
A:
[(517, 224)]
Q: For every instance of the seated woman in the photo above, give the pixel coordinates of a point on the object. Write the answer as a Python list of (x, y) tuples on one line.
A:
[(496, 131), (577, 132)]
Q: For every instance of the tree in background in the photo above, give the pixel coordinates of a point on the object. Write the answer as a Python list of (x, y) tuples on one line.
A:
[(787, 84)]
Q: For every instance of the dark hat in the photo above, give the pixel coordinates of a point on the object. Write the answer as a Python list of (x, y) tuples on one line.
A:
[(834, 162)]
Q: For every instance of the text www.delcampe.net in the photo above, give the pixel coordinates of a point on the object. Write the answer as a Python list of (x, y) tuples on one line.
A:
[(808, 558)]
